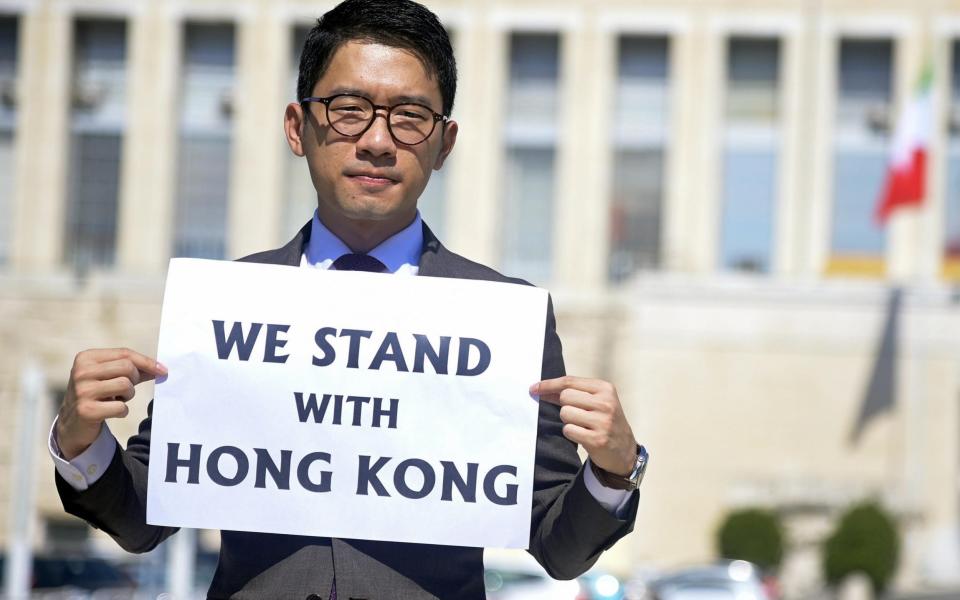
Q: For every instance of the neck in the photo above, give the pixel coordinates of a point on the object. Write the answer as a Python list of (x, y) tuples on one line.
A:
[(363, 235)]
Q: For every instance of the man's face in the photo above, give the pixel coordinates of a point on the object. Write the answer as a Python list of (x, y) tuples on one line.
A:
[(370, 178)]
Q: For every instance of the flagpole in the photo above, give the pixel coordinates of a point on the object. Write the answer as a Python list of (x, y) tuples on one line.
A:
[(22, 513)]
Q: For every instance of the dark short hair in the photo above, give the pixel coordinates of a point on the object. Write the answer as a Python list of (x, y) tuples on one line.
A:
[(399, 23)]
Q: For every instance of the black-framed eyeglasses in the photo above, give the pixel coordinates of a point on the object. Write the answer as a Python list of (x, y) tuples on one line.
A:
[(351, 116)]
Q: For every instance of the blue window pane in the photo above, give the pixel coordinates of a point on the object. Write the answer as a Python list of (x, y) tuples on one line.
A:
[(8, 72), (639, 135), (97, 120), (952, 237), (95, 188), (753, 69), (528, 213), (865, 69), (642, 92), (532, 97), (749, 189), (752, 140), (857, 185), (952, 200), (201, 225), (635, 212), (204, 145), (861, 143), (530, 134)]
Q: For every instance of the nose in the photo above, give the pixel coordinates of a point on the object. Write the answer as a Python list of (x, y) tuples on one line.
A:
[(376, 140)]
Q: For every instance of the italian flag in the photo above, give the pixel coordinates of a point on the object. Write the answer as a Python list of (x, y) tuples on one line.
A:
[(906, 174)]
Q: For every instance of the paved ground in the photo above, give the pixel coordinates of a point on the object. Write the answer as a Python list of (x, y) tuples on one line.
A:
[(944, 595)]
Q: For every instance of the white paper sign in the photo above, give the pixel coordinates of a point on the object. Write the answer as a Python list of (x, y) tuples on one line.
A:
[(346, 404)]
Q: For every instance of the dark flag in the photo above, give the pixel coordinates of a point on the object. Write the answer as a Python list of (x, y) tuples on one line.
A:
[(881, 390)]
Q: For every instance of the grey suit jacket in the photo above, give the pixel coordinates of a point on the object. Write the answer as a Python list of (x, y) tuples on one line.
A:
[(568, 532)]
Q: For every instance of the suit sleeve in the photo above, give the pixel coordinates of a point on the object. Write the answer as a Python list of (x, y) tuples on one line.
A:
[(117, 502), (569, 529)]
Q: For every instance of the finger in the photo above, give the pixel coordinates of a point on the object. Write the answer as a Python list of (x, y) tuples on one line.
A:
[(571, 397), (149, 366), (110, 409), (575, 433), (582, 418), (557, 385), (118, 387), (115, 368)]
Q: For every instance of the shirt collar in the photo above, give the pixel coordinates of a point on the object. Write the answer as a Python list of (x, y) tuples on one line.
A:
[(400, 252)]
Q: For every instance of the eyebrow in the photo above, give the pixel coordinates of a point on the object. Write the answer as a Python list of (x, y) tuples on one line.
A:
[(402, 99)]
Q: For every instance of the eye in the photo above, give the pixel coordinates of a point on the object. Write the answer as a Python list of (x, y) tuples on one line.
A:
[(410, 113), (346, 108)]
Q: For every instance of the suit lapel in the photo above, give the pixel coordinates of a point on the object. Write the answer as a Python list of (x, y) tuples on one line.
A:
[(433, 258), (292, 252)]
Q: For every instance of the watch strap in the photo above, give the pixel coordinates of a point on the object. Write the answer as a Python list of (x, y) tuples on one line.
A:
[(619, 482)]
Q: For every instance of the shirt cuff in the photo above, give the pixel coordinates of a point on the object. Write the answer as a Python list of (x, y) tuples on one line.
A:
[(87, 467), (615, 501)]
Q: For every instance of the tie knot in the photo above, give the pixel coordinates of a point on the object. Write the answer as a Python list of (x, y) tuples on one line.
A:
[(359, 262)]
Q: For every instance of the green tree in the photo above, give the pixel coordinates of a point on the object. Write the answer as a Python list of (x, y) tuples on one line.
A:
[(864, 541), (752, 534)]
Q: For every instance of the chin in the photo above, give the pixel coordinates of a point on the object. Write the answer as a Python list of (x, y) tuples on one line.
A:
[(373, 209)]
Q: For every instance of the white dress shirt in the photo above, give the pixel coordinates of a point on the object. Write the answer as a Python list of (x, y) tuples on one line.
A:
[(401, 255)]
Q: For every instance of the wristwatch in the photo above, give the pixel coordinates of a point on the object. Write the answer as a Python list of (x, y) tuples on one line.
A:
[(619, 482)]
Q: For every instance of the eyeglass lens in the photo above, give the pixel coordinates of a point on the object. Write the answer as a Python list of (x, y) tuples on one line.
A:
[(409, 123)]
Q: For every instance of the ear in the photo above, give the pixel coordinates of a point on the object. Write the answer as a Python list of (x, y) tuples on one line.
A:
[(294, 121), (449, 140)]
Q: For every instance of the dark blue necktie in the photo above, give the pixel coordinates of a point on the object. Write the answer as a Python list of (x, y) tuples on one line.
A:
[(359, 262), (355, 262)]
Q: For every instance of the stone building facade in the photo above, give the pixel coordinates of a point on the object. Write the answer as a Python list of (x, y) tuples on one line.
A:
[(693, 180)]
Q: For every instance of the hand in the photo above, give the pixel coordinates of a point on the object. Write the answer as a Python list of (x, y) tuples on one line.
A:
[(593, 418), (101, 383)]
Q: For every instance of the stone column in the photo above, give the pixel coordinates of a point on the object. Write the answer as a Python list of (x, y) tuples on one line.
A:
[(818, 163), (147, 176), (256, 186), (795, 115), (41, 163), (691, 198), (581, 236), (476, 188)]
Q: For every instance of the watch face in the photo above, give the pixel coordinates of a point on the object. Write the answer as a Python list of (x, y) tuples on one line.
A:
[(642, 457)]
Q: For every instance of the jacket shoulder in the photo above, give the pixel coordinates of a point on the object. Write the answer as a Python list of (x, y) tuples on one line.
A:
[(455, 265)]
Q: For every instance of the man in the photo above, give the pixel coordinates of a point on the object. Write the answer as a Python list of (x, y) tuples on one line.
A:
[(376, 88)]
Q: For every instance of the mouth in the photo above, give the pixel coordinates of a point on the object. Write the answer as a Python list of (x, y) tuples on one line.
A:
[(371, 178)]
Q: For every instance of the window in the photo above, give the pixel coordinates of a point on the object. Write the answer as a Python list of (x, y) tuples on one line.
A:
[(301, 195), (206, 119), (750, 154), (530, 125), (639, 138), (951, 249), (861, 142), (97, 119), (8, 117)]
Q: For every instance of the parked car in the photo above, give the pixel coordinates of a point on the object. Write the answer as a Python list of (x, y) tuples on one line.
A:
[(76, 574), (523, 579), (600, 585), (726, 580)]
